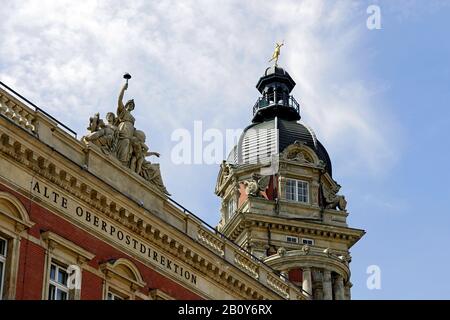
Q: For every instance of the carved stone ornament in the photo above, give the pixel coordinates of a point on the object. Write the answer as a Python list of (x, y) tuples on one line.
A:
[(281, 251), (296, 152), (120, 139), (221, 224), (306, 249), (332, 199), (257, 185), (224, 173)]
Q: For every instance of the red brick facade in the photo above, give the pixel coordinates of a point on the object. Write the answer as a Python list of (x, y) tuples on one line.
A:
[(30, 279)]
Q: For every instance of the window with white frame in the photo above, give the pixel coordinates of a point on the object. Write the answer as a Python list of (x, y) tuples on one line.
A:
[(297, 190), (231, 207), (3, 254), (57, 286), (291, 239), (308, 241), (113, 296)]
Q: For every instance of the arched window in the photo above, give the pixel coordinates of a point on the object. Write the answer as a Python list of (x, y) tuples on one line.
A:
[(14, 220), (123, 280)]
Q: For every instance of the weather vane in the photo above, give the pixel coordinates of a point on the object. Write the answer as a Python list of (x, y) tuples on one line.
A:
[(276, 53)]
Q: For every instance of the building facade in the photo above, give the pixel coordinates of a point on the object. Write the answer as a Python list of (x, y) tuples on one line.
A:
[(90, 218), (279, 200)]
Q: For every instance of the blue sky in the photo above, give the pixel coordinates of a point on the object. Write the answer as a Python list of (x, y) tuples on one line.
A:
[(377, 99)]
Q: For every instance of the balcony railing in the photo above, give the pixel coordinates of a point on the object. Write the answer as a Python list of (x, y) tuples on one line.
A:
[(276, 99)]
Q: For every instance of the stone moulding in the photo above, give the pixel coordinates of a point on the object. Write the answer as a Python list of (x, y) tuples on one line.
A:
[(239, 225), (312, 257), (92, 192)]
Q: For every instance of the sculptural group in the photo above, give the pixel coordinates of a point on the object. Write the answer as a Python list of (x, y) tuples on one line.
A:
[(120, 139)]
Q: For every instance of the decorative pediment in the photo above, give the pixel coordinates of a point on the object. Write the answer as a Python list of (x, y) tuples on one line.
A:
[(125, 271), (11, 207), (298, 152), (225, 173), (55, 241)]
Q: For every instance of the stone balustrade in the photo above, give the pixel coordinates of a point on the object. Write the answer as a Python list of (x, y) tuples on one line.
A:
[(244, 261), (18, 113), (278, 285), (211, 241), (312, 251), (246, 264)]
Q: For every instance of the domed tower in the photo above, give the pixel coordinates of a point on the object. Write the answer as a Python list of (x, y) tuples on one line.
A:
[(279, 199)]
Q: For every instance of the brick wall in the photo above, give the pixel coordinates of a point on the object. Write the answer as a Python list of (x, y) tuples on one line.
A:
[(32, 258)]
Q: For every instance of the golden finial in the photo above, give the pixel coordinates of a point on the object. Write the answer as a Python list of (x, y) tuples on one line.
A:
[(276, 53)]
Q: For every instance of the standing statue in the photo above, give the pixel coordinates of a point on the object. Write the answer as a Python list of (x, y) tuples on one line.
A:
[(276, 53), (125, 121)]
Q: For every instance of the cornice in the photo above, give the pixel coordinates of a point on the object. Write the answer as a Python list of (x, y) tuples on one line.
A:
[(248, 220), (42, 161), (313, 257)]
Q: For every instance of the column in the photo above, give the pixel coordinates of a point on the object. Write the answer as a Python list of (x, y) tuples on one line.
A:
[(347, 292), (317, 284), (327, 290), (339, 288), (307, 282), (275, 95)]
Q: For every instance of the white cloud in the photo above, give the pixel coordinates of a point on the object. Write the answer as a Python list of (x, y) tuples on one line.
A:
[(195, 60)]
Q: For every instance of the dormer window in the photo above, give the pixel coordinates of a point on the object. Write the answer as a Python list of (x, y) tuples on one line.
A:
[(297, 190)]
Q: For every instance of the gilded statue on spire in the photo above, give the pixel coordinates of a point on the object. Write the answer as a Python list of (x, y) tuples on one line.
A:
[(276, 53)]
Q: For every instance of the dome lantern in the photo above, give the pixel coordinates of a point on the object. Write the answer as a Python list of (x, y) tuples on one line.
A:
[(275, 87)]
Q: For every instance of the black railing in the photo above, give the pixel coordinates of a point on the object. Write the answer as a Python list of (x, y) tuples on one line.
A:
[(37, 109), (276, 99)]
